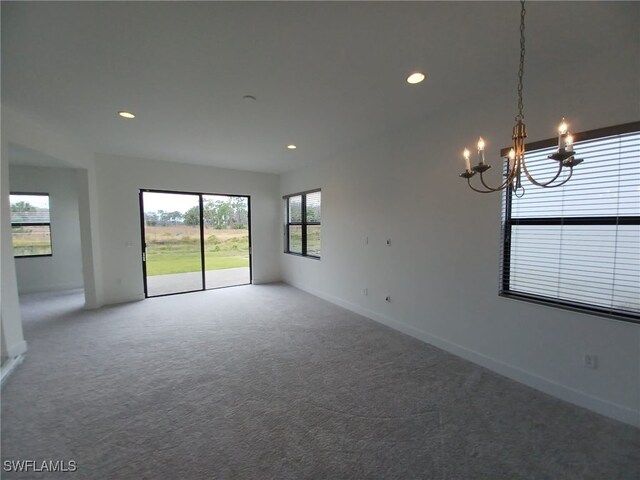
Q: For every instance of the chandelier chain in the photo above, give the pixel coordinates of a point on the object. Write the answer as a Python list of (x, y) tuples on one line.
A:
[(523, 11), (516, 166)]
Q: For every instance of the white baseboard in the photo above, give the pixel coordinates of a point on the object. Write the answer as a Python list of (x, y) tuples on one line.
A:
[(16, 349), (9, 367), (49, 288), (577, 397)]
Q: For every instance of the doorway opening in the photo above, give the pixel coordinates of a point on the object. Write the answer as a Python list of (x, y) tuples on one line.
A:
[(194, 241)]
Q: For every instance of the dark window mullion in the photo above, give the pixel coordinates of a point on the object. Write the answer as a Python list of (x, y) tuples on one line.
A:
[(287, 228), (202, 246), (304, 225), (30, 224)]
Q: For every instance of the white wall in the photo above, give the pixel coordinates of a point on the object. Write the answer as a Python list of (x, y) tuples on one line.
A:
[(12, 338), (441, 269), (63, 270), (62, 149), (119, 180), (108, 207)]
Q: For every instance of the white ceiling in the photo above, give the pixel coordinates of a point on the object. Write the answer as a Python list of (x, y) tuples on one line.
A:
[(327, 75), (28, 157)]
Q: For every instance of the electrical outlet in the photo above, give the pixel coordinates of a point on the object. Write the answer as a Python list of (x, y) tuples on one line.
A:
[(590, 361)]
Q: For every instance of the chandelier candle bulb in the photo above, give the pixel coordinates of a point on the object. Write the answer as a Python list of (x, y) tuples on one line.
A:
[(562, 134), (467, 162), (562, 129), (481, 150), (569, 143), (512, 159)]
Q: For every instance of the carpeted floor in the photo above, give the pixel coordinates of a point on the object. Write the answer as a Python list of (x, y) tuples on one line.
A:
[(267, 382)]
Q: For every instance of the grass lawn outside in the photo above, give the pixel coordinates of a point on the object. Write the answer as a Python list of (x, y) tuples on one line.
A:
[(168, 263), (176, 249), (32, 240)]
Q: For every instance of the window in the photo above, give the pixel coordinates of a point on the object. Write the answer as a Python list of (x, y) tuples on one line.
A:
[(30, 224), (302, 229), (578, 246)]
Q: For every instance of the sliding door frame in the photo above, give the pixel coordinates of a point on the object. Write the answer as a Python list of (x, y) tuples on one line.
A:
[(201, 196)]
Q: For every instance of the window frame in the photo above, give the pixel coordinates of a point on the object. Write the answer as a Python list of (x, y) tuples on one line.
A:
[(508, 223), (33, 224), (303, 224)]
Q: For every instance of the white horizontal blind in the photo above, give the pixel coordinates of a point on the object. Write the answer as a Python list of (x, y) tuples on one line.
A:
[(313, 207), (606, 184), (294, 224), (313, 212), (30, 224), (579, 244), (27, 208), (295, 209), (587, 264)]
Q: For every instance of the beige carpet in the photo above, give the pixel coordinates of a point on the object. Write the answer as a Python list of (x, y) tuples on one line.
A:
[(267, 382)]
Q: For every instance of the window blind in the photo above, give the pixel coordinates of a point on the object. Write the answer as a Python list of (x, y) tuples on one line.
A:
[(578, 245), (303, 225), (30, 224), (313, 220)]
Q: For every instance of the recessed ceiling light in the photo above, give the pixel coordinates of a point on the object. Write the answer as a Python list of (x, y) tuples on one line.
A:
[(291, 147), (126, 114), (415, 77)]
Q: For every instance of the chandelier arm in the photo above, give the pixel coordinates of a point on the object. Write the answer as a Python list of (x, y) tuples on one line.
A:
[(535, 182), (496, 189), (563, 181), (478, 190)]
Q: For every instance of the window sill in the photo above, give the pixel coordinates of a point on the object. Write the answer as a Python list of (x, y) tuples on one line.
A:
[(574, 307), (302, 256)]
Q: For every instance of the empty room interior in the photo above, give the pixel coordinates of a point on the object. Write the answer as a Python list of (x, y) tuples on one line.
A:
[(263, 240)]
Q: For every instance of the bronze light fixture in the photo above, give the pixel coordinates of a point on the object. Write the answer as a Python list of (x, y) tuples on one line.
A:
[(516, 163)]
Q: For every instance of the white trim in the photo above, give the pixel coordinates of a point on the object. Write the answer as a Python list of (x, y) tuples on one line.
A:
[(9, 367), (50, 288), (16, 349), (572, 395)]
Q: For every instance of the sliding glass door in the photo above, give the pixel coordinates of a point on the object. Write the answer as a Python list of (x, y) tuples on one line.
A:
[(226, 240), (194, 241), (172, 257)]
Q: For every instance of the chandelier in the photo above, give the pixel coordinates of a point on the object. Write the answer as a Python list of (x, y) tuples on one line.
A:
[(515, 161)]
